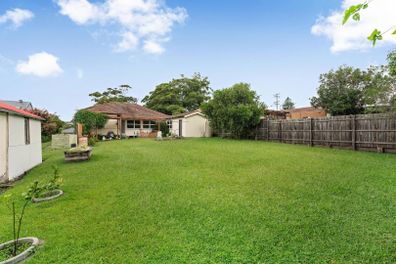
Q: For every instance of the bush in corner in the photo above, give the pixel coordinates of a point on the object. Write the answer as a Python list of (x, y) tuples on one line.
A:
[(235, 110)]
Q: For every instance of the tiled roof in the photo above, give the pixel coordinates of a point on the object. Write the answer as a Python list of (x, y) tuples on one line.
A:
[(14, 110), (302, 109), (128, 111)]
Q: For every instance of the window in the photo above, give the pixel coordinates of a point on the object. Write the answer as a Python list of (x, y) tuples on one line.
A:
[(149, 124), (27, 131), (133, 124), (169, 123)]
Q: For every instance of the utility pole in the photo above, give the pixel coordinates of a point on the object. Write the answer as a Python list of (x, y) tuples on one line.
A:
[(277, 100)]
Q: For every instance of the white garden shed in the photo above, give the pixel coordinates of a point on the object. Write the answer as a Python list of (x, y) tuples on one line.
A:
[(191, 124), (20, 142)]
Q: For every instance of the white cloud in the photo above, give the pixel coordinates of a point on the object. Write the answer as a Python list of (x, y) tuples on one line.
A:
[(353, 35), (153, 47), (16, 16), (128, 42), (40, 64), (137, 21)]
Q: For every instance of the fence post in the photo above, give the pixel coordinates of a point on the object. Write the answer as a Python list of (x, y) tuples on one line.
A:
[(280, 130), (311, 132), (353, 120), (268, 129)]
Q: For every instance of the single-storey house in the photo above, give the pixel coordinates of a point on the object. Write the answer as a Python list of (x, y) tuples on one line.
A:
[(20, 142), (191, 124), (305, 112), (130, 120), (23, 105)]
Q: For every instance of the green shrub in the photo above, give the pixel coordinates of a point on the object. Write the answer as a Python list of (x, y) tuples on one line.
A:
[(92, 141), (164, 128)]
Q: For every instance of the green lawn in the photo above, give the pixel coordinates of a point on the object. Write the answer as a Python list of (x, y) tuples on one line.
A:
[(215, 201)]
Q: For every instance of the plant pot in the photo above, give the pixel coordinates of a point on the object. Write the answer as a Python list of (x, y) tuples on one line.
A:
[(25, 254), (53, 195)]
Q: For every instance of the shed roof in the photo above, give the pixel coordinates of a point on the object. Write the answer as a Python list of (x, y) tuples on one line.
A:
[(128, 111), (16, 111), (197, 111)]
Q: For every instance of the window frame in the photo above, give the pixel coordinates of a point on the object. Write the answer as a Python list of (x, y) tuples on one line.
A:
[(27, 131), (149, 124), (135, 124)]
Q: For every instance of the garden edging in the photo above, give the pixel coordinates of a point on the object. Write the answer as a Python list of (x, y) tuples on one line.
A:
[(25, 254)]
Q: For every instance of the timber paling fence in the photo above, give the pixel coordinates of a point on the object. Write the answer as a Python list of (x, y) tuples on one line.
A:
[(372, 132)]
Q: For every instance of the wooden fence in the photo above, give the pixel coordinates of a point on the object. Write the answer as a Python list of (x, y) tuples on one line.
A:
[(374, 132)]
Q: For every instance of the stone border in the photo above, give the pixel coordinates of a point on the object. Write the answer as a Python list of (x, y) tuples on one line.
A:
[(39, 200), (25, 254)]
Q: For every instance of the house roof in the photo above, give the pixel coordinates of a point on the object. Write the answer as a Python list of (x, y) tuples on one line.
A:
[(70, 130), (19, 104), (16, 111), (197, 111), (128, 111), (305, 109)]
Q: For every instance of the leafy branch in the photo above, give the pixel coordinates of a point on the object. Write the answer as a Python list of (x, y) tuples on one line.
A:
[(354, 12)]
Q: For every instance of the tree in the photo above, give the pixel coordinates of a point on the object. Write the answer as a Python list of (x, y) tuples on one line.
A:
[(91, 121), (17, 219), (340, 92), (392, 62), (379, 89), (235, 110), (354, 91), (179, 95), (51, 125), (354, 12), (288, 104), (113, 95)]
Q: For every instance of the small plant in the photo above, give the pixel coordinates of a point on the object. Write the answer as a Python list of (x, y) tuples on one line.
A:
[(55, 181), (77, 149), (92, 141), (18, 219), (53, 184)]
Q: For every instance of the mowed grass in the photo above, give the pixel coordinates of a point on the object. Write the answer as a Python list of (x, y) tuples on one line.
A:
[(215, 201)]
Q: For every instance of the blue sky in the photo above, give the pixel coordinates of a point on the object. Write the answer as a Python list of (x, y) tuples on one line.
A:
[(269, 44)]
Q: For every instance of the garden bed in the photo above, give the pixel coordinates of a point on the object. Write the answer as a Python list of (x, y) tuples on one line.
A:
[(78, 154), (48, 196), (26, 247)]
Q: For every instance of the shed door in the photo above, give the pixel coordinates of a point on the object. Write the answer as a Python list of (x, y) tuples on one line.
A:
[(180, 127), (123, 124)]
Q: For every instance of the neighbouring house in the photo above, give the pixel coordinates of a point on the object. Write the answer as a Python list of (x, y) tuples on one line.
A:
[(305, 112), (130, 120), (191, 124), (275, 114), (20, 104), (20, 142)]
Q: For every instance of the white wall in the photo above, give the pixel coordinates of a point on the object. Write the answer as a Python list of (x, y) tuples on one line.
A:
[(175, 126), (197, 126), (3, 147), (192, 126), (23, 157)]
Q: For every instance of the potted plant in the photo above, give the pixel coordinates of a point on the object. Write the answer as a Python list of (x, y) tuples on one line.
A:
[(51, 190), (18, 249)]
